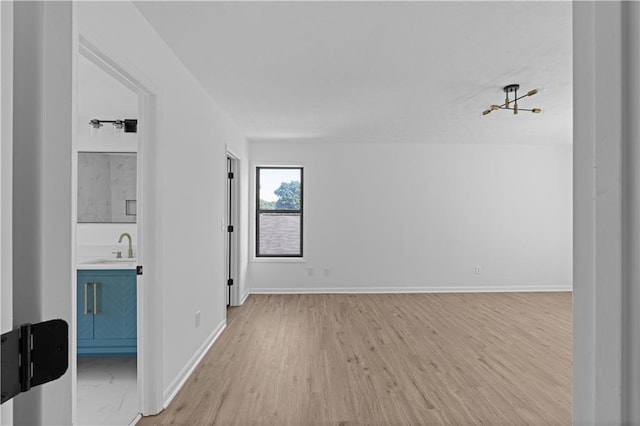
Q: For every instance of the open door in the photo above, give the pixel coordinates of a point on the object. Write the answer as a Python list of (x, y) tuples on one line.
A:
[(232, 232), (229, 228)]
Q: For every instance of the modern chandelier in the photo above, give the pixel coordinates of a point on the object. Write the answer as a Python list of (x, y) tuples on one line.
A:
[(513, 88)]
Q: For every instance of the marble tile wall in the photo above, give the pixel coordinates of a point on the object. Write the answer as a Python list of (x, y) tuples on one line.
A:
[(123, 186), (94, 188)]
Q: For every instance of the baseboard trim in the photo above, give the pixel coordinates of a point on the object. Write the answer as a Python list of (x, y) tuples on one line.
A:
[(188, 369), (243, 298), (386, 290)]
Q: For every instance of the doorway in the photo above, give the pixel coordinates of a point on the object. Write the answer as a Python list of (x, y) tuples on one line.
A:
[(232, 240), (107, 244), (144, 233)]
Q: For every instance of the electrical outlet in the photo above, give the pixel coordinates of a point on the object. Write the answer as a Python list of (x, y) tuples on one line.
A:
[(478, 269), (310, 272), (326, 272), (197, 319)]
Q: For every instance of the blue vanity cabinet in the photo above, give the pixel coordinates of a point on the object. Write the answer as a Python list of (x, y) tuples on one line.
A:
[(107, 314)]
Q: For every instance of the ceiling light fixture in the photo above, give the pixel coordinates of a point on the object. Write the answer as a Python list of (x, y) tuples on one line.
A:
[(129, 126), (95, 123), (513, 88)]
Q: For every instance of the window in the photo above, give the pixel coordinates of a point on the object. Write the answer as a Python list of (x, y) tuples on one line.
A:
[(279, 211)]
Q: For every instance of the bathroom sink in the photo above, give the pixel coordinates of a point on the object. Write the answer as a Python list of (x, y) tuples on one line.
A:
[(110, 261)]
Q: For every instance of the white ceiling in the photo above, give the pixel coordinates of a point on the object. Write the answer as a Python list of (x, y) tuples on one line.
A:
[(397, 72)]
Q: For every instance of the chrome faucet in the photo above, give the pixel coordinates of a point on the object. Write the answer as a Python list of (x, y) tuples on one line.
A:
[(125, 234)]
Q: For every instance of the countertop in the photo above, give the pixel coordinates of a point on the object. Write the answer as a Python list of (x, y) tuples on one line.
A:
[(102, 263)]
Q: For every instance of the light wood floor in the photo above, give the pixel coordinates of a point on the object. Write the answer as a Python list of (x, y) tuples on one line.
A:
[(492, 358)]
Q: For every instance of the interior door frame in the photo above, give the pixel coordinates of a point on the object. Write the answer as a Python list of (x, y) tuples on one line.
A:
[(233, 218), (149, 303), (6, 181)]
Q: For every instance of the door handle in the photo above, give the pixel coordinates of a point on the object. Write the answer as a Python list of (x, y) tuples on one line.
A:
[(95, 298), (86, 300)]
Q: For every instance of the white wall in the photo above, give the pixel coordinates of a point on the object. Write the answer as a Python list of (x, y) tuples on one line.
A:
[(404, 217), (192, 135)]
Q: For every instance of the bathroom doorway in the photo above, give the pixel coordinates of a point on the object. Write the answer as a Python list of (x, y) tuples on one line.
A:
[(112, 127), (232, 241), (107, 244)]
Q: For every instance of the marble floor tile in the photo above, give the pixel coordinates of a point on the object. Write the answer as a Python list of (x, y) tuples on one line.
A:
[(107, 391)]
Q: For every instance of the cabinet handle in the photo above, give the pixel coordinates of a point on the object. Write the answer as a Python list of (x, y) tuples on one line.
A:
[(95, 298), (86, 301)]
